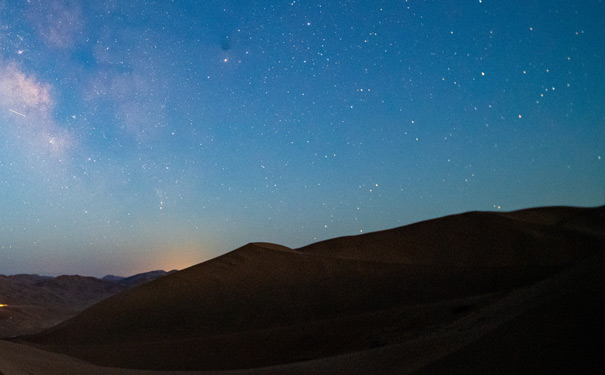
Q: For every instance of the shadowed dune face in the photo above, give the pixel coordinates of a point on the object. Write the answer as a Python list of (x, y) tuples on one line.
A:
[(564, 334), (265, 304), (536, 237)]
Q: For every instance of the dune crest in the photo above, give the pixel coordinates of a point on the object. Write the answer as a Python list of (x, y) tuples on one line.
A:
[(271, 246)]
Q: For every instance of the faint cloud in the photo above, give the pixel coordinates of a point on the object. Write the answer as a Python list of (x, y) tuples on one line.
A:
[(57, 21), (138, 110), (21, 92), (131, 82), (26, 105), (136, 98)]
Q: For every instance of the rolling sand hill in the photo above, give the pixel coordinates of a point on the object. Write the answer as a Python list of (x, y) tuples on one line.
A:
[(472, 293)]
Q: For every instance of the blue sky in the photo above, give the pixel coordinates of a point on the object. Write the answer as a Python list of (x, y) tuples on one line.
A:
[(142, 135)]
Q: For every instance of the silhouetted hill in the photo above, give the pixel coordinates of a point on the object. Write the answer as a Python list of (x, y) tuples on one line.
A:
[(24, 278), (143, 278), (39, 302), (112, 278), (78, 291), (386, 302)]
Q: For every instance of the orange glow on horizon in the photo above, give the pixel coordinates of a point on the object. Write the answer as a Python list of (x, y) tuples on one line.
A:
[(169, 257)]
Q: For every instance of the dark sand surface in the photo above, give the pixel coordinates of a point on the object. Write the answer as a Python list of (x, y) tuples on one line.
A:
[(472, 293)]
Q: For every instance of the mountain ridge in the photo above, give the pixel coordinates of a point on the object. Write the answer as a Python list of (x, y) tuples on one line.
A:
[(37, 302)]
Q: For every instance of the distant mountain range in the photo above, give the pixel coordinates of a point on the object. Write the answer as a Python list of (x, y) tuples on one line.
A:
[(37, 302), (480, 292)]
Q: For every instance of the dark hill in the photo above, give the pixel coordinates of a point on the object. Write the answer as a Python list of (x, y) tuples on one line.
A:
[(138, 279), (35, 303)]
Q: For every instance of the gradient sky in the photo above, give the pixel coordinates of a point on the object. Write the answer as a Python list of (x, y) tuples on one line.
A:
[(139, 135)]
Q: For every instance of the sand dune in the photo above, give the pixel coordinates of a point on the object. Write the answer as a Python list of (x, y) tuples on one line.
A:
[(425, 297)]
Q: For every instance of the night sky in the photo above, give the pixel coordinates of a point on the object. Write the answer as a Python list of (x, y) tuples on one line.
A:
[(158, 134)]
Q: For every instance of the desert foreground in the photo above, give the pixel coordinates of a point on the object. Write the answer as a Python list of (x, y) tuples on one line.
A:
[(499, 293)]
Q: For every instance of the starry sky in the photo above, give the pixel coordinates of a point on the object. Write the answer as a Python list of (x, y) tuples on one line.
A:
[(139, 135)]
